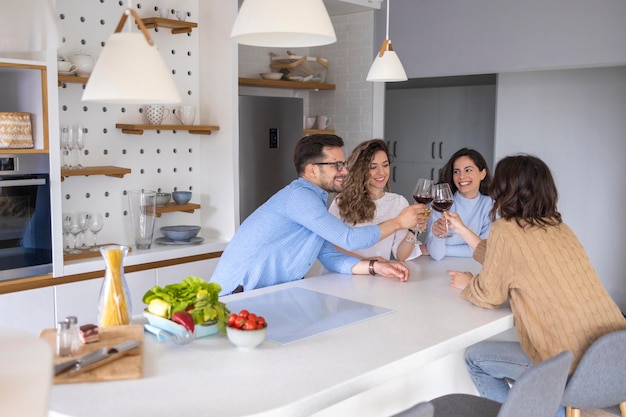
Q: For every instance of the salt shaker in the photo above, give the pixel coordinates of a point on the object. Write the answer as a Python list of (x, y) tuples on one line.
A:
[(74, 333), (64, 338)]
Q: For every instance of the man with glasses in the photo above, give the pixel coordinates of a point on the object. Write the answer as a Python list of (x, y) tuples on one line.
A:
[(281, 239)]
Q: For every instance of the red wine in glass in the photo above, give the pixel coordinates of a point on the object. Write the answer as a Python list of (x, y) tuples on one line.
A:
[(442, 205), (442, 201), (423, 198), (422, 195)]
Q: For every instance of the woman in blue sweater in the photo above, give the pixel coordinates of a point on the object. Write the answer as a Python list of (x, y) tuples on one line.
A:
[(468, 176)]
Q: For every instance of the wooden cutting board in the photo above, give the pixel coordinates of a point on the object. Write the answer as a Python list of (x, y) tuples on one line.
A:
[(129, 366)]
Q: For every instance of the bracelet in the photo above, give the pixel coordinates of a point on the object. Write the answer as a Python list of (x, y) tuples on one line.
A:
[(412, 231), (372, 272)]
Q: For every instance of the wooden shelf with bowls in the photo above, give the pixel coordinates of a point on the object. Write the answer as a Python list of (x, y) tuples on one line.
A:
[(258, 82), (173, 207), (109, 171), (138, 129), (72, 79), (177, 26)]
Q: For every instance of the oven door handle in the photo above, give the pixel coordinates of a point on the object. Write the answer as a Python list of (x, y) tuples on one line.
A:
[(22, 182)]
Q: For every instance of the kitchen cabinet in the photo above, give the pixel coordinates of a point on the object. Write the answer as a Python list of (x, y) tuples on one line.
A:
[(23, 88), (424, 127)]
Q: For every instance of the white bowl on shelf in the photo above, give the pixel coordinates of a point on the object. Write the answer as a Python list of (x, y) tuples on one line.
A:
[(271, 75)]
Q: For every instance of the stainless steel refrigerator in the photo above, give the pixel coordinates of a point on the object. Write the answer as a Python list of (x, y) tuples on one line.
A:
[(269, 128)]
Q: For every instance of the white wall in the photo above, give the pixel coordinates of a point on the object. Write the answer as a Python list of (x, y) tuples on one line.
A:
[(574, 121)]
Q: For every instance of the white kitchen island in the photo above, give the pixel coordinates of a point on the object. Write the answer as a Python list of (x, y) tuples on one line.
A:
[(374, 367)]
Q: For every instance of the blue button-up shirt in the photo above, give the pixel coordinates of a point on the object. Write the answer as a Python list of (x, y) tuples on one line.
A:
[(281, 239)]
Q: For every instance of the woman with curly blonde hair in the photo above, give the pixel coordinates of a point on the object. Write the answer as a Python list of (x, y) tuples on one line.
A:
[(366, 200)]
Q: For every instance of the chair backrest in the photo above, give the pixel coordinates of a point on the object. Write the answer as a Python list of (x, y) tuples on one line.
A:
[(539, 390), (25, 374), (599, 380)]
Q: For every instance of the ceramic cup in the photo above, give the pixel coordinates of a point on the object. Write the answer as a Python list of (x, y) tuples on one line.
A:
[(84, 64), (322, 122), (309, 122), (65, 66), (164, 12), (155, 113), (186, 114), (181, 15)]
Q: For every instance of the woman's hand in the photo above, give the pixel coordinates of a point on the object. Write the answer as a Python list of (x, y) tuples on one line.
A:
[(439, 227), (459, 279), (454, 221)]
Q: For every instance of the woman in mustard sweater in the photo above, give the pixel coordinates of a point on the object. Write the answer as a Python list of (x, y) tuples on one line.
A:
[(533, 260)]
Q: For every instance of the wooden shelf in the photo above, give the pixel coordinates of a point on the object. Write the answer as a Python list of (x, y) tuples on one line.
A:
[(85, 253), (257, 82), (72, 79), (319, 132), (139, 128), (172, 207), (177, 26), (109, 171)]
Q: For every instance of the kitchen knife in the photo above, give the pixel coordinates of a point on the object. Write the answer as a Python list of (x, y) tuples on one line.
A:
[(65, 366), (98, 358)]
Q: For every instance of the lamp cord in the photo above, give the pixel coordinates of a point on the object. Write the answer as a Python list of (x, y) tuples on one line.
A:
[(387, 29)]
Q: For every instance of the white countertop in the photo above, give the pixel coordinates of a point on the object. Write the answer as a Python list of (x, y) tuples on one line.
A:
[(210, 377)]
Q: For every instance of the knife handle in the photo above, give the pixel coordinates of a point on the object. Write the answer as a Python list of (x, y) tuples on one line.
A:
[(111, 358)]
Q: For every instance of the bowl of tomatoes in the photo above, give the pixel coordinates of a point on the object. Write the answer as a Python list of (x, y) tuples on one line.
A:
[(246, 330)]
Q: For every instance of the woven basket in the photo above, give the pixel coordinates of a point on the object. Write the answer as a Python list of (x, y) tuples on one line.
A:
[(15, 130)]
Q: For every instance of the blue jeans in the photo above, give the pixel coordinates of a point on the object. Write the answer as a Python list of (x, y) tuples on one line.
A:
[(492, 364)]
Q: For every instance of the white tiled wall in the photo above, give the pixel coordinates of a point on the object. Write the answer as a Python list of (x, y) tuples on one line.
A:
[(350, 106)]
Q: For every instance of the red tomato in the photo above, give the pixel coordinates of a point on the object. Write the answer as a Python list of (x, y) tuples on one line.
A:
[(243, 313), (260, 322), (250, 325), (251, 316), (240, 322), (231, 319)]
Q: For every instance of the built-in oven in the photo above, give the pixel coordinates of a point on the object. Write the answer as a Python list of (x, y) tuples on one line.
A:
[(25, 219)]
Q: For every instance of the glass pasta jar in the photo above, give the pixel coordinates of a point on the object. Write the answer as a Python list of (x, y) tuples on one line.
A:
[(114, 308)]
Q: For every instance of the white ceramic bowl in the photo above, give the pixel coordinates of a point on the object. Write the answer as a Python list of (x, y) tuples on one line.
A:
[(163, 198), (271, 75), (246, 339), (181, 233), (175, 328)]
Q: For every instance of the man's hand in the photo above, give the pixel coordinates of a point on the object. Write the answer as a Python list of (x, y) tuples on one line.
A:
[(388, 269)]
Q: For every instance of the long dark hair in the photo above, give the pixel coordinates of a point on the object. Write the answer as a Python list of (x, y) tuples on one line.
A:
[(311, 149), (446, 172), (523, 189), (354, 202)]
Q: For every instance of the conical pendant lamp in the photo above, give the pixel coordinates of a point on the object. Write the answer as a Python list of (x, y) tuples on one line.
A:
[(386, 66), (131, 70), (283, 23)]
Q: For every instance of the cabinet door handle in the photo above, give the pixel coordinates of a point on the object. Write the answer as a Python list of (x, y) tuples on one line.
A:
[(440, 150), (395, 142), (393, 174), (432, 174), (432, 150)]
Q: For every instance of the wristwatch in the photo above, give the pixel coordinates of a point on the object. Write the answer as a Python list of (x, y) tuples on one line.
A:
[(372, 272)]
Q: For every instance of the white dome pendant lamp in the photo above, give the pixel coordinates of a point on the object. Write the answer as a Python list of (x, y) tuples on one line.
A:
[(386, 66), (131, 70), (283, 23)]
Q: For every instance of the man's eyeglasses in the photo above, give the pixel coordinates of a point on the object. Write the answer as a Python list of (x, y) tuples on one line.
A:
[(339, 165)]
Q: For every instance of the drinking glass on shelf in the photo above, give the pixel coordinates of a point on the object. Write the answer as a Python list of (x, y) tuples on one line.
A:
[(78, 144), (75, 231), (422, 195), (442, 201), (82, 222), (95, 225)]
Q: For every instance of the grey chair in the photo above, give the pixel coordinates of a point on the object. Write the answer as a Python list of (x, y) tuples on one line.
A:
[(536, 393), (424, 409), (599, 380)]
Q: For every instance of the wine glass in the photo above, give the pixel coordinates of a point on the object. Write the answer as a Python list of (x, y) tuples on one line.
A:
[(422, 195), (95, 225), (82, 222), (75, 231), (79, 143), (442, 201)]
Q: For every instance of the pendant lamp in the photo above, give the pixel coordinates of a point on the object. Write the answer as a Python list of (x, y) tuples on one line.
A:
[(283, 23), (386, 66), (131, 70)]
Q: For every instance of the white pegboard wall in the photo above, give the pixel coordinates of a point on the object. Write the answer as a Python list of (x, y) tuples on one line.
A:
[(159, 160)]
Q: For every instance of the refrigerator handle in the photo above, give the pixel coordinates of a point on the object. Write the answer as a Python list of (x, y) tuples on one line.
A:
[(395, 142), (393, 174), (432, 150), (440, 150)]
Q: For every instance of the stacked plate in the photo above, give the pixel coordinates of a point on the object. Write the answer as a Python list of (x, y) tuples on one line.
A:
[(180, 235)]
